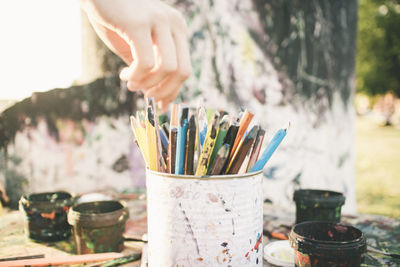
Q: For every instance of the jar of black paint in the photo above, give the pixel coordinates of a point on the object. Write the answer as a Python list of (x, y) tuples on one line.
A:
[(46, 215), (318, 205), (321, 244)]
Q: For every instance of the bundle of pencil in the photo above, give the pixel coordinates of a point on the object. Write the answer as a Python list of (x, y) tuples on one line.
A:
[(191, 144)]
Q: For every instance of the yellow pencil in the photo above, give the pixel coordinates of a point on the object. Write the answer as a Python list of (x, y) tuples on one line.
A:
[(208, 146)]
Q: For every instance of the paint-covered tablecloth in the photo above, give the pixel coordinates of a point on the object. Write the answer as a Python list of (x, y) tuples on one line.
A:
[(381, 232)]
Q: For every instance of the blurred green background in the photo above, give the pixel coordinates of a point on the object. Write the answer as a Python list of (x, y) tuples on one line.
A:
[(378, 108)]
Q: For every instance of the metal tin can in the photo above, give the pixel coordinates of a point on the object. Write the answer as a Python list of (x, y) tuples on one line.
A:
[(204, 221)]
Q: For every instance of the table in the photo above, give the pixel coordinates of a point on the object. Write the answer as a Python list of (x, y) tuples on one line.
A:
[(382, 233)]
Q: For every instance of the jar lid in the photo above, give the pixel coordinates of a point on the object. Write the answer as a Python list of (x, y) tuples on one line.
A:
[(279, 253)]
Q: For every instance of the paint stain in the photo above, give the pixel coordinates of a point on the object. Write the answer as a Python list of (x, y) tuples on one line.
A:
[(256, 246), (176, 192), (50, 216), (212, 198)]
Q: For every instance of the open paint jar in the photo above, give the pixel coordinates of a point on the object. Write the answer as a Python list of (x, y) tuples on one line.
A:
[(318, 205), (46, 215), (98, 226), (204, 221), (321, 244)]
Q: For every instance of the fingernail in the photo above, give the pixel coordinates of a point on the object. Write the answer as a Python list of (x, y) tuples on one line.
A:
[(123, 75)]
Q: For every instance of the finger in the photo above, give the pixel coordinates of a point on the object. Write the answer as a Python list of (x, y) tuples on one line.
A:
[(162, 36), (142, 51), (132, 86), (182, 54), (114, 41), (167, 90)]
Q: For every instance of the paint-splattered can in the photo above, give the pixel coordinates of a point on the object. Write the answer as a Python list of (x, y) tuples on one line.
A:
[(204, 221), (46, 215), (98, 226), (321, 244), (318, 205)]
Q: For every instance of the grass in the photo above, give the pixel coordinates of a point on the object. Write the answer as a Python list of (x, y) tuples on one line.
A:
[(377, 168)]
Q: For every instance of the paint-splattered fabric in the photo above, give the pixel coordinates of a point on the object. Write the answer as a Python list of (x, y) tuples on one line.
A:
[(285, 61)]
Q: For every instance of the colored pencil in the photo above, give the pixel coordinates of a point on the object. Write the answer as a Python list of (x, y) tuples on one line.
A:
[(256, 148), (220, 159), (223, 130), (269, 150), (242, 151), (208, 146), (190, 144), (244, 123), (173, 131), (181, 140)]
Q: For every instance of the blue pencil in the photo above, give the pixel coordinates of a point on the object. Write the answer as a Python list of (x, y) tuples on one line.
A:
[(269, 150), (181, 140)]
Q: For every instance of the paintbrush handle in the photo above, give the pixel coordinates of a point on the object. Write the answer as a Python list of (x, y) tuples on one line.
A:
[(374, 250), (66, 260), (272, 146)]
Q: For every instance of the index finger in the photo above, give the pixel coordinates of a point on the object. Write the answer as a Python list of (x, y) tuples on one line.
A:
[(143, 54)]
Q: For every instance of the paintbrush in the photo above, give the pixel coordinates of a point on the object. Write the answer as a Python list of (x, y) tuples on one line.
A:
[(244, 123), (37, 256), (242, 151), (220, 159), (164, 146), (63, 260), (165, 127), (270, 149), (208, 146), (203, 125), (160, 159), (223, 130), (151, 139), (173, 131), (374, 250), (190, 143), (230, 139), (140, 134), (181, 140), (122, 260), (255, 152)]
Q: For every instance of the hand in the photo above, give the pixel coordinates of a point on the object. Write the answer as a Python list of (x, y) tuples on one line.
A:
[(150, 37)]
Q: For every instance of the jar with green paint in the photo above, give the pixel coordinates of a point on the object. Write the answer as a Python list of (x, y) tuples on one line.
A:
[(318, 205), (98, 226)]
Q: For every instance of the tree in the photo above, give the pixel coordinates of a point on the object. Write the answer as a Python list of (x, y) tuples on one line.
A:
[(378, 54)]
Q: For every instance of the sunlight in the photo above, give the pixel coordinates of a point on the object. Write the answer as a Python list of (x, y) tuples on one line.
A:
[(40, 46)]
